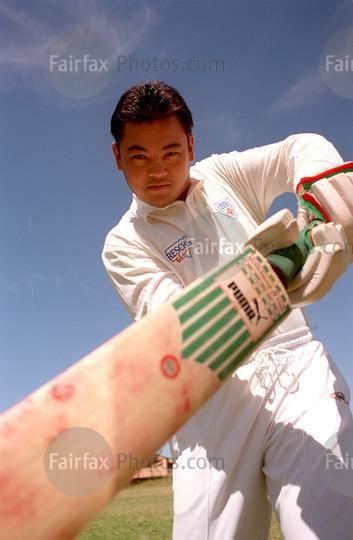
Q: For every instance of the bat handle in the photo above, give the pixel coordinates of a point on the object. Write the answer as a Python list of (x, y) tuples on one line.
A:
[(288, 261)]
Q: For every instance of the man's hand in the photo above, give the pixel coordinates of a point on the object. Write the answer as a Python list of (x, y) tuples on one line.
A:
[(277, 232), (329, 195), (326, 263)]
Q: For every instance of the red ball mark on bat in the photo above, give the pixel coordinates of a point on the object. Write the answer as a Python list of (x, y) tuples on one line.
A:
[(67, 534), (58, 424), (182, 408), (214, 380), (6, 430), (185, 405), (17, 502), (62, 391), (170, 366)]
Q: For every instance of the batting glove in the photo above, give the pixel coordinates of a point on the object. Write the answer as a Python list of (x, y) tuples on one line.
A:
[(327, 261), (328, 196)]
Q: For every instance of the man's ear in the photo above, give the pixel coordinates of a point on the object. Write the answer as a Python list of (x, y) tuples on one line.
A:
[(191, 142), (117, 155)]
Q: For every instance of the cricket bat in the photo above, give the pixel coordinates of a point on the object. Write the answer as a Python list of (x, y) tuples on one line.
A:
[(68, 448)]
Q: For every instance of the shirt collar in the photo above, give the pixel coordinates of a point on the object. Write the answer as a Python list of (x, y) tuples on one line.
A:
[(142, 209)]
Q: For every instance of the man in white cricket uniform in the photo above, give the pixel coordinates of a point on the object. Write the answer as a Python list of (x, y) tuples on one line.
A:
[(261, 439)]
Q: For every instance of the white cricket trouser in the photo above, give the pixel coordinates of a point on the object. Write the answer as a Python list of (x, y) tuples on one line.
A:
[(260, 441)]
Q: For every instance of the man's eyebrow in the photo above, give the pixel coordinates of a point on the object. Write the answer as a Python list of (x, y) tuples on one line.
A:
[(172, 145), (135, 147)]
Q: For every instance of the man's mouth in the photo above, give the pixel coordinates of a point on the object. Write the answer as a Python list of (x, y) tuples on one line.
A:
[(157, 187)]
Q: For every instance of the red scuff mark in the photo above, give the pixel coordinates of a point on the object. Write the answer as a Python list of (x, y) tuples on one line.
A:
[(62, 391), (184, 406), (6, 430), (58, 424), (61, 424), (16, 501), (181, 409), (66, 534), (16, 422), (214, 380)]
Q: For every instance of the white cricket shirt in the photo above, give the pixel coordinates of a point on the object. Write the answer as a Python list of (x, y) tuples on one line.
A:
[(152, 253)]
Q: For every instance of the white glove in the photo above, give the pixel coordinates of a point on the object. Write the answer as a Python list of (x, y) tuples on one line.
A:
[(326, 263), (277, 232), (331, 194), (335, 195)]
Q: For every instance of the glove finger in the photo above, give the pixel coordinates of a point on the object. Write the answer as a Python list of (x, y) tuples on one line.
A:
[(331, 266), (335, 190), (330, 237), (303, 218), (336, 196)]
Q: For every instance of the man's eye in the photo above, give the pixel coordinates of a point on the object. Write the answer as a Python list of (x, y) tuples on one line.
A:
[(172, 154), (138, 156)]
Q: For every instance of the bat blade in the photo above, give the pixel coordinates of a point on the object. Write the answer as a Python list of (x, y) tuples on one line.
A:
[(122, 402)]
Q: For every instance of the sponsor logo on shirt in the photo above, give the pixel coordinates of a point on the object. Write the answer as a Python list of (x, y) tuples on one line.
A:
[(180, 249), (225, 206)]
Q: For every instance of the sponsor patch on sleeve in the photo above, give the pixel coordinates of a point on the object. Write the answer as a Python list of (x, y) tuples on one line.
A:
[(225, 206)]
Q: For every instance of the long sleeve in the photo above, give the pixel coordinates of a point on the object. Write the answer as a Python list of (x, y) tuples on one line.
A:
[(261, 174), (140, 279)]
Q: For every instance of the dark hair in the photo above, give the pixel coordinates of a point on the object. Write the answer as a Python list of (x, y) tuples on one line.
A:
[(147, 101)]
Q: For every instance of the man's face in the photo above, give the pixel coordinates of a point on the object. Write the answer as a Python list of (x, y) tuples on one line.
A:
[(155, 159)]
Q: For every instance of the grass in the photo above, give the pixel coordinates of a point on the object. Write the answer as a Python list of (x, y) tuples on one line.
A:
[(143, 511)]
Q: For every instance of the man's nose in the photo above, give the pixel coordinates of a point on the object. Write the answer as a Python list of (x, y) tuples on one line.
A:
[(156, 170)]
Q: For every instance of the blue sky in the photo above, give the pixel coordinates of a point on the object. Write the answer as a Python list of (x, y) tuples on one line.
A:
[(60, 192)]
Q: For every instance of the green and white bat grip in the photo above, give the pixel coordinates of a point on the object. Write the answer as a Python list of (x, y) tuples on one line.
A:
[(225, 315), (288, 261)]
